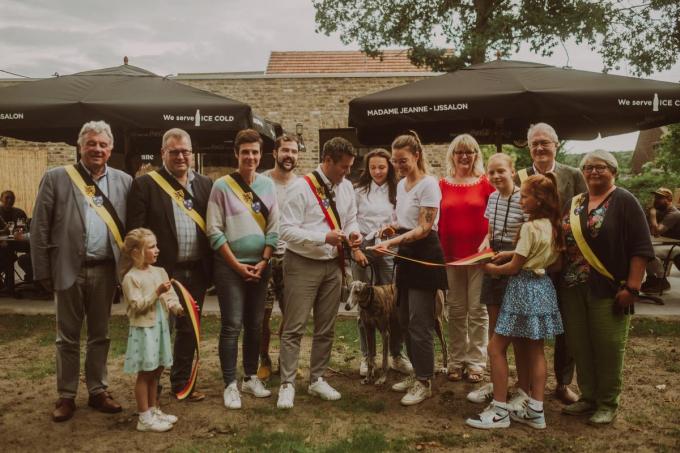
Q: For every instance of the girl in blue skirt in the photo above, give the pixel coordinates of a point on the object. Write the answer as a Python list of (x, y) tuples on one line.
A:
[(529, 313), (148, 295)]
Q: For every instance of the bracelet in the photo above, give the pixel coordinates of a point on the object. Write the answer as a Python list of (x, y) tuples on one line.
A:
[(634, 292), (265, 259)]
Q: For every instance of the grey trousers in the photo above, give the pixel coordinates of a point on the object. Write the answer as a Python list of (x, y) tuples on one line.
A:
[(88, 299), (310, 284), (417, 318)]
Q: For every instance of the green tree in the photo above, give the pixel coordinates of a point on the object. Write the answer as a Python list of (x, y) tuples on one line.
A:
[(645, 34), (668, 152)]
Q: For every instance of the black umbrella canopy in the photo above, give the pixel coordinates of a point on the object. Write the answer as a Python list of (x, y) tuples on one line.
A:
[(498, 101), (128, 98)]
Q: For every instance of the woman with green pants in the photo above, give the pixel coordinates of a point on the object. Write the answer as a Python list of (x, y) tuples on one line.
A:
[(608, 246)]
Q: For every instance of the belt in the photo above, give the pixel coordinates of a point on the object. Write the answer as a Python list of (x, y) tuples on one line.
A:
[(187, 265), (95, 263)]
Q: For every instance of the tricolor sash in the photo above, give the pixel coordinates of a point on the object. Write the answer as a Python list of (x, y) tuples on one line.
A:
[(577, 232), (191, 312), (326, 202), (179, 195), (325, 199), (249, 198), (97, 201)]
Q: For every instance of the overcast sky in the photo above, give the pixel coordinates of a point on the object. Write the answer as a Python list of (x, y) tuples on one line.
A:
[(41, 37)]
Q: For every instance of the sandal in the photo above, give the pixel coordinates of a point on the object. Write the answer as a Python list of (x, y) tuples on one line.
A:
[(455, 375), (474, 376)]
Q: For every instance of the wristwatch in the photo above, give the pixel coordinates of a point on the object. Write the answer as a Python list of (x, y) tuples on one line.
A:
[(265, 259), (634, 292)]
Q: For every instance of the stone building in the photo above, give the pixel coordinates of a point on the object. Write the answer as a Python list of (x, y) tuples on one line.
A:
[(306, 92)]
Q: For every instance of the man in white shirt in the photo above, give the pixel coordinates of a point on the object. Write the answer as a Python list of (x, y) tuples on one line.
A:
[(286, 151), (313, 264)]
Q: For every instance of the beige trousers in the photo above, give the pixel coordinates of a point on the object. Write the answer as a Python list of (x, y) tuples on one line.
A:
[(310, 285), (468, 319)]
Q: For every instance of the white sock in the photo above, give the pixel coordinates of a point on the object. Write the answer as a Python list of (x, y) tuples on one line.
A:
[(146, 416), (536, 405), (501, 406)]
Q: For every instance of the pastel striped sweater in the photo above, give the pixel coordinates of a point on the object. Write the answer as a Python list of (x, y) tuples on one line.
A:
[(229, 221)]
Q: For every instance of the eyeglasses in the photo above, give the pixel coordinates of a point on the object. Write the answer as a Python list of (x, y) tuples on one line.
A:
[(595, 168), (541, 143), (466, 153), (176, 152)]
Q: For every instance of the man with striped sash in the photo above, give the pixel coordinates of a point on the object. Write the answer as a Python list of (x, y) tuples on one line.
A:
[(172, 203), (76, 235), (318, 217)]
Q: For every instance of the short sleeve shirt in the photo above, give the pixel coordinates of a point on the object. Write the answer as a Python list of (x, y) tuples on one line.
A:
[(425, 194), (671, 223), (536, 244)]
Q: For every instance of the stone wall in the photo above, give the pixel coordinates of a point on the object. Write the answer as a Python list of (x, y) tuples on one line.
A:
[(316, 102)]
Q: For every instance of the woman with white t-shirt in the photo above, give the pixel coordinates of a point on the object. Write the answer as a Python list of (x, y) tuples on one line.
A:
[(376, 195), (417, 211)]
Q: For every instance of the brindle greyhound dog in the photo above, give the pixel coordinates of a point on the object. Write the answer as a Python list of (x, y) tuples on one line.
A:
[(378, 310)]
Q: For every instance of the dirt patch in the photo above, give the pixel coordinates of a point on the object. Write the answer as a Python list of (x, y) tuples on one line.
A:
[(367, 418)]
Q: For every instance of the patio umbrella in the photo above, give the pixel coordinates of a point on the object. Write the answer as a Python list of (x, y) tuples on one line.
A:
[(497, 101), (129, 99)]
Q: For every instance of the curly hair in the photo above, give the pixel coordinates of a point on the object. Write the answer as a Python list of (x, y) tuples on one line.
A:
[(133, 248)]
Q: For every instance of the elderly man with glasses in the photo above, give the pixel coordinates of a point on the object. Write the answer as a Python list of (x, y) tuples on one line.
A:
[(543, 142), (172, 203)]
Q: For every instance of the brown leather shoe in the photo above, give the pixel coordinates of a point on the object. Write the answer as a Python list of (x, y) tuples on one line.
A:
[(565, 394), (64, 409), (196, 397), (104, 402)]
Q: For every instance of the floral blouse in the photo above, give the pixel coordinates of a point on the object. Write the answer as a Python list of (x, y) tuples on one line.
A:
[(577, 268)]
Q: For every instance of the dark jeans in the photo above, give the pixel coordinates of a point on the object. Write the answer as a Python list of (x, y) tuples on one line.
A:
[(195, 281), (417, 318), (241, 304)]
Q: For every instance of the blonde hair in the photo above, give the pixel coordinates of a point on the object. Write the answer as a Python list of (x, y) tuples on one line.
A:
[(411, 141), (135, 241), (504, 157), (467, 142)]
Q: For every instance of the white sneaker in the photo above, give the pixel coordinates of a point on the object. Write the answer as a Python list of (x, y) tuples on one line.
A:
[(402, 365), (492, 417), (518, 401), (153, 424), (159, 414), (323, 390), (286, 396), (405, 384), (418, 393), (482, 394), (529, 416), (232, 398), (255, 387)]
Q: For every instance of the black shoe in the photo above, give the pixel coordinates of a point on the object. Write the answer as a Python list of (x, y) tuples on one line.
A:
[(655, 285)]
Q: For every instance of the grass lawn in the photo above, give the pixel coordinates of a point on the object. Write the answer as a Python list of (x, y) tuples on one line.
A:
[(367, 418)]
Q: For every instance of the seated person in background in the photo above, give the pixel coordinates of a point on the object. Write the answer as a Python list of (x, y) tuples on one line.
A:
[(7, 211), (4, 253), (664, 220)]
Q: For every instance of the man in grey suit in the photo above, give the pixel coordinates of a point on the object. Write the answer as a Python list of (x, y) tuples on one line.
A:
[(75, 246), (542, 142)]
